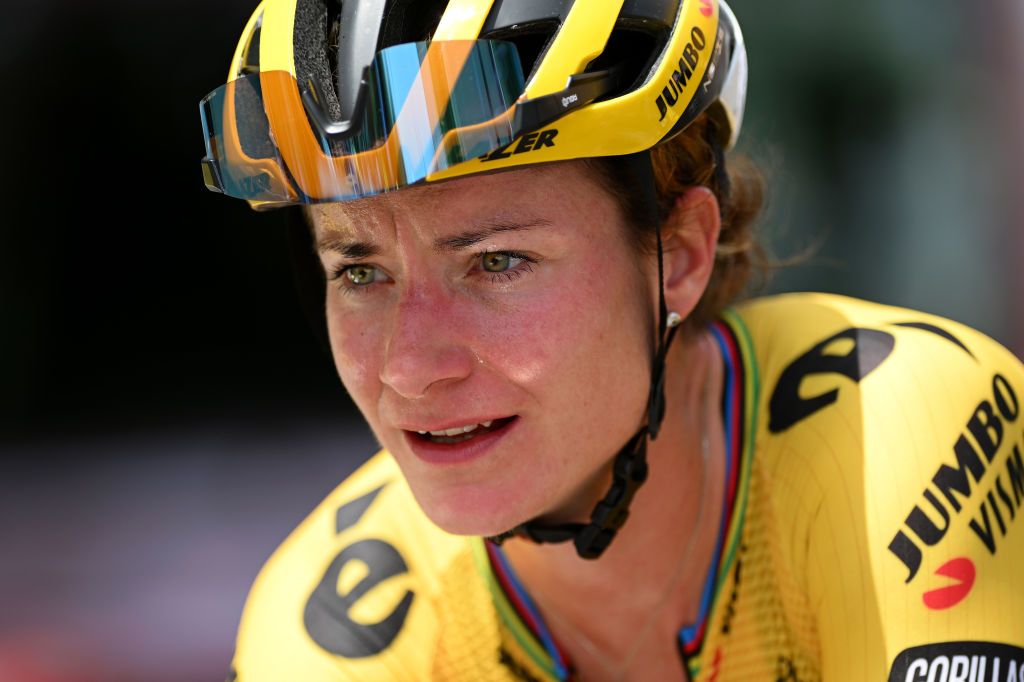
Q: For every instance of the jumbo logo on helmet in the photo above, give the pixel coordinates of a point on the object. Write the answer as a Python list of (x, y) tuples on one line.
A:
[(685, 72)]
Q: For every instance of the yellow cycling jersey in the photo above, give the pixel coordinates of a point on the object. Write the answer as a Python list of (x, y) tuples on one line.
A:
[(871, 531)]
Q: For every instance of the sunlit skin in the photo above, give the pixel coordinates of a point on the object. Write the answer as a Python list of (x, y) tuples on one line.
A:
[(517, 295)]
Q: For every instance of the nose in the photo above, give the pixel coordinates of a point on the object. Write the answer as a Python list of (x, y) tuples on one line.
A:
[(426, 347)]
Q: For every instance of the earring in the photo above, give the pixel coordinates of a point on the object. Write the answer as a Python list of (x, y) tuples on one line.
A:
[(674, 319)]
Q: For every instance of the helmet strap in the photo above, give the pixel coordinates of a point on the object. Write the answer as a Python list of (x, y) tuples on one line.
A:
[(629, 469), (721, 174)]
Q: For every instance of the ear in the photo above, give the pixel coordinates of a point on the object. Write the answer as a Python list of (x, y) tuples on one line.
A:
[(690, 238)]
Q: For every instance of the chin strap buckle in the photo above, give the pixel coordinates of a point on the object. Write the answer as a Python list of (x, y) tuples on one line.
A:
[(629, 473), (591, 539)]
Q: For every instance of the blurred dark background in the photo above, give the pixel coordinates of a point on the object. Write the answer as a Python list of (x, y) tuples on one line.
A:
[(166, 416)]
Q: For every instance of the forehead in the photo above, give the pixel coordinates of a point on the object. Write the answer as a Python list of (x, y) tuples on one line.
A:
[(547, 189)]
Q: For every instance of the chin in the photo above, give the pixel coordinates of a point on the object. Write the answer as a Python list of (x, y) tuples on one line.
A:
[(477, 512)]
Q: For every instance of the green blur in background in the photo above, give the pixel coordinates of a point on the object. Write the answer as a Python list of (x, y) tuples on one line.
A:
[(892, 137)]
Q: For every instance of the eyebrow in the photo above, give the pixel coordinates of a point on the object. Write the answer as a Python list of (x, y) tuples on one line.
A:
[(473, 237), (356, 250), (352, 250)]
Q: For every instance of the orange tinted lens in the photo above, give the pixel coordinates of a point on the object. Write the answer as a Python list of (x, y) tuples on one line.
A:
[(428, 106)]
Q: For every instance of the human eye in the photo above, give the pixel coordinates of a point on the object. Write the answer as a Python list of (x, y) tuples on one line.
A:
[(506, 265), (356, 278)]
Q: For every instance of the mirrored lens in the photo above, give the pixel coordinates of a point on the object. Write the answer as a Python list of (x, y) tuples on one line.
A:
[(428, 106)]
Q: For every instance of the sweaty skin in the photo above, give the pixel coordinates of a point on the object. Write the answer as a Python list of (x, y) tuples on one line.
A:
[(425, 336), (872, 528)]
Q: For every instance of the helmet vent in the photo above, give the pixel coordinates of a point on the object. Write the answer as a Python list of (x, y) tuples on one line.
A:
[(641, 34), (633, 52), (530, 25), (312, 65), (410, 21), (250, 62)]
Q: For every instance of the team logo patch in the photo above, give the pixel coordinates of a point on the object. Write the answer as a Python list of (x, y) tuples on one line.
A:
[(959, 662), (989, 470)]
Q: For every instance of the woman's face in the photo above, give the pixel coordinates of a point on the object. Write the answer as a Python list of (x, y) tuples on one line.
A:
[(509, 302)]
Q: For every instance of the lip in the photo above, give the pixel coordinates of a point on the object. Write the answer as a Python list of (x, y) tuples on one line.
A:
[(457, 453), (451, 424)]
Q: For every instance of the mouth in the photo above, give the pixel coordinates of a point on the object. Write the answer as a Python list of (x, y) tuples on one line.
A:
[(459, 444), (461, 434)]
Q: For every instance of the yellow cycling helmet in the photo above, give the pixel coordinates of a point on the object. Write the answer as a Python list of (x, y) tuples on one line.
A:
[(330, 100)]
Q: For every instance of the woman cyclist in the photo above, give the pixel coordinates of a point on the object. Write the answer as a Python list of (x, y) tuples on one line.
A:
[(594, 466)]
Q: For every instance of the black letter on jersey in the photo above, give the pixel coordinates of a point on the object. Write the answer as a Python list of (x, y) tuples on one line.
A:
[(907, 552), (987, 429), (1015, 471), (938, 331), (1005, 395), (349, 513), (786, 408), (947, 479), (327, 616)]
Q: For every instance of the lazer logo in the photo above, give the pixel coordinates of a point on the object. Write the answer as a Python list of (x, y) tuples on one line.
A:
[(530, 142), (951, 486), (961, 570), (688, 63)]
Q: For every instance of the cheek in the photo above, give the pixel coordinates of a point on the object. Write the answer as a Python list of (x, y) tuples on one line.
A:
[(581, 352), (609, 351), (356, 348), (581, 323), (588, 303), (579, 347)]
